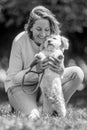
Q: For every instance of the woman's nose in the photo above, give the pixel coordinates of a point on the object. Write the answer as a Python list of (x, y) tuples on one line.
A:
[(43, 34)]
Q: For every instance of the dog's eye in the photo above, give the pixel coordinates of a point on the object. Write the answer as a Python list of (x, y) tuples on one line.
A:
[(60, 57), (54, 38)]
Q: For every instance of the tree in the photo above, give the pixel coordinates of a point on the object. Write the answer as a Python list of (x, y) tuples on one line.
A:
[(71, 13)]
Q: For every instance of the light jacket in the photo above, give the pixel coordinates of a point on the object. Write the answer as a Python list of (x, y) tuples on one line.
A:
[(22, 54)]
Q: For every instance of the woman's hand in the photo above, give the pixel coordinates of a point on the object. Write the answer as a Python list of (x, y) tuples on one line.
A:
[(56, 65), (42, 65)]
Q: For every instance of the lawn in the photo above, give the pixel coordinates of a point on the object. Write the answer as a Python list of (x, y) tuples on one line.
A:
[(76, 119)]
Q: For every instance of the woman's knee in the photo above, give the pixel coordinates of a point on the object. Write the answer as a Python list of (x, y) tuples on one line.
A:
[(21, 101), (79, 73)]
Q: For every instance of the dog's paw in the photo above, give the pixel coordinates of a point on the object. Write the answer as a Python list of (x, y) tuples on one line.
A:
[(34, 115)]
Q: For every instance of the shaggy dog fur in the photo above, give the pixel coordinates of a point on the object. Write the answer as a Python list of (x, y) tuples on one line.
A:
[(52, 94)]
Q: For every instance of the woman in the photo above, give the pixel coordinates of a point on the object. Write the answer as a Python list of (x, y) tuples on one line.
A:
[(41, 24)]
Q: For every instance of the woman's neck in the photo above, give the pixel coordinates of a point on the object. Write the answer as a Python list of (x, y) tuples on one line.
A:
[(35, 46)]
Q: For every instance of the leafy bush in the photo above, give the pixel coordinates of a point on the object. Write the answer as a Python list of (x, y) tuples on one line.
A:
[(71, 13)]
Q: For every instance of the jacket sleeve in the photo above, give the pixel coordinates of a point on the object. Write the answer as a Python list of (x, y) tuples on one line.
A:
[(15, 71)]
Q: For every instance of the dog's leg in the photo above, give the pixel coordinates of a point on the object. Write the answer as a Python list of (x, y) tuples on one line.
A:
[(57, 94), (46, 105)]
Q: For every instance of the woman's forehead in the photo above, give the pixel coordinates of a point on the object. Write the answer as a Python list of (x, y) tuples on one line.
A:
[(42, 22)]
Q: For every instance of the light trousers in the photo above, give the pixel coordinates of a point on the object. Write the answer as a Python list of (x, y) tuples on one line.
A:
[(24, 102)]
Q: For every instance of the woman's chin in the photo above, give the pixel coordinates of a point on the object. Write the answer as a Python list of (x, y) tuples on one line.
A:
[(38, 43)]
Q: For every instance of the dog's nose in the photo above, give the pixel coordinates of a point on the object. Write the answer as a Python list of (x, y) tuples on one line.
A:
[(49, 41)]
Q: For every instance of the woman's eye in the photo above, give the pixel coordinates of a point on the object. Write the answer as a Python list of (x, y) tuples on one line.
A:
[(38, 29), (47, 30)]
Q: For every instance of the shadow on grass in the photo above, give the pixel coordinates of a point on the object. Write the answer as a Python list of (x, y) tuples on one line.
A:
[(3, 96)]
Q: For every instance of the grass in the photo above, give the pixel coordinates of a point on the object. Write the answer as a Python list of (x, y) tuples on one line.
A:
[(76, 119)]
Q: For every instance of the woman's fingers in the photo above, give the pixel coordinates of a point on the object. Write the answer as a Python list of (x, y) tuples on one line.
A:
[(54, 60), (42, 65)]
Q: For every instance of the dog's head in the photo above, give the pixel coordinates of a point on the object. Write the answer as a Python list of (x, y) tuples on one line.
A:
[(53, 46), (59, 42)]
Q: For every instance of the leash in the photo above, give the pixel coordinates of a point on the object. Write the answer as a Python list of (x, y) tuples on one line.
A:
[(29, 71)]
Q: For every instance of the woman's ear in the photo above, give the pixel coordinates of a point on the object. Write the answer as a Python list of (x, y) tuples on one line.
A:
[(64, 43)]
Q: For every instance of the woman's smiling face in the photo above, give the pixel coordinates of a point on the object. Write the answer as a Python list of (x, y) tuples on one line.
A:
[(40, 30)]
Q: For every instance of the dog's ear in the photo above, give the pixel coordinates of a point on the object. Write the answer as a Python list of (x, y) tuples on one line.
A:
[(64, 43)]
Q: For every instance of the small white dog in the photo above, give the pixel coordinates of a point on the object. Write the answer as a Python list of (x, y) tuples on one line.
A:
[(52, 94)]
